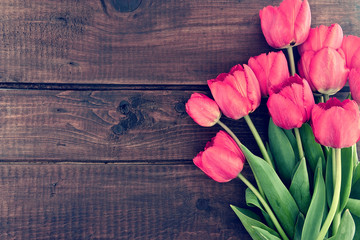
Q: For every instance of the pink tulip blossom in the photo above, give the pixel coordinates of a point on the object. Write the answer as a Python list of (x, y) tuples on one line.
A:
[(286, 25), (291, 104), (203, 110), (222, 159), (270, 69), (325, 70), (237, 93), (351, 49), (336, 124)]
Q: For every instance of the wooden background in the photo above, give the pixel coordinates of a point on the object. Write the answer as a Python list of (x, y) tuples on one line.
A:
[(95, 141)]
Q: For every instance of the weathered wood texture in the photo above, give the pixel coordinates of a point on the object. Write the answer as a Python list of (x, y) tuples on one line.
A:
[(139, 42), (116, 202), (39, 125)]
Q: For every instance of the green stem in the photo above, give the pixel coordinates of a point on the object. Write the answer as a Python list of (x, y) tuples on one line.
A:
[(336, 223), (266, 206), (291, 60), (232, 134), (336, 196), (326, 97), (299, 144), (258, 140)]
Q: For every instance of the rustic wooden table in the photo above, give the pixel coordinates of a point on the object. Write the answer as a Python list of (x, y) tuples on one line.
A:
[(95, 141)]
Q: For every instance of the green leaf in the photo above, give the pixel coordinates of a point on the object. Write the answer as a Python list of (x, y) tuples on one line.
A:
[(270, 154), (346, 176), (265, 234), (299, 226), (251, 220), (253, 201), (346, 230), (283, 153), (300, 187), (315, 213), (355, 190), (354, 206), (357, 227), (356, 176), (290, 135), (312, 150), (279, 198)]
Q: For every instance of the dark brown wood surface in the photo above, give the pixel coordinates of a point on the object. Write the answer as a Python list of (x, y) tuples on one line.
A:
[(95, 142)]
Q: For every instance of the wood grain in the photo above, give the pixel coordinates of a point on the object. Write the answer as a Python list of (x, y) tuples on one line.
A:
[(105, 126), (139, 42), (92, 201)]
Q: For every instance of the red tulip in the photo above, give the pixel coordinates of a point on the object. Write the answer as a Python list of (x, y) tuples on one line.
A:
[(222, 159), (336, 124), (321, 37), (325, 70), (270, 69), (203, 110), (237, 93), (290, 105), (286, 25), (351, 48), (354, 84)]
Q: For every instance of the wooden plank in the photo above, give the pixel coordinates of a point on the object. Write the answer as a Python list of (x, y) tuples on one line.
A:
[(139, 42), (45, 125), (98, 201)]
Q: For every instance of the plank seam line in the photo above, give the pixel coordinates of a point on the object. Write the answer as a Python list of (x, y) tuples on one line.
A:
[(102, 87)]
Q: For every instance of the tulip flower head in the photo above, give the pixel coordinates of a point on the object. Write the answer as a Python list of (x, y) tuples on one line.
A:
[(325, 70), (270, 69), (286, 25), (354, 84), (336, 124), (203, 110), (222, 159), (291, 104), (321, 37), (237, 93), (351, 49)]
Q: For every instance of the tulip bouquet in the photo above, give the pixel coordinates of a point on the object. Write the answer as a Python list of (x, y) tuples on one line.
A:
[(308, 177)]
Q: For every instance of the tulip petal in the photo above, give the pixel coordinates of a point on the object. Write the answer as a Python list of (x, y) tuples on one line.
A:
[(221, 165), (304, 67), (354, 84), (327, 71), (302, 23), (350, 46), (224, 140), (336, 124), (203, 110)]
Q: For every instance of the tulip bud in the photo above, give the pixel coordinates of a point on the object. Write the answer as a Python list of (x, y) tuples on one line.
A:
[(222, 159), (354, 84), (351, 49), (321, 37), (325, 70), (290, 105), (237, 93), (203, 110), (286, 25), (270, 69), (336, 124)]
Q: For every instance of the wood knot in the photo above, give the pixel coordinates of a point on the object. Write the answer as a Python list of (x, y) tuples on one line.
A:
[(125, 5), (124, 107), (180, 107)]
